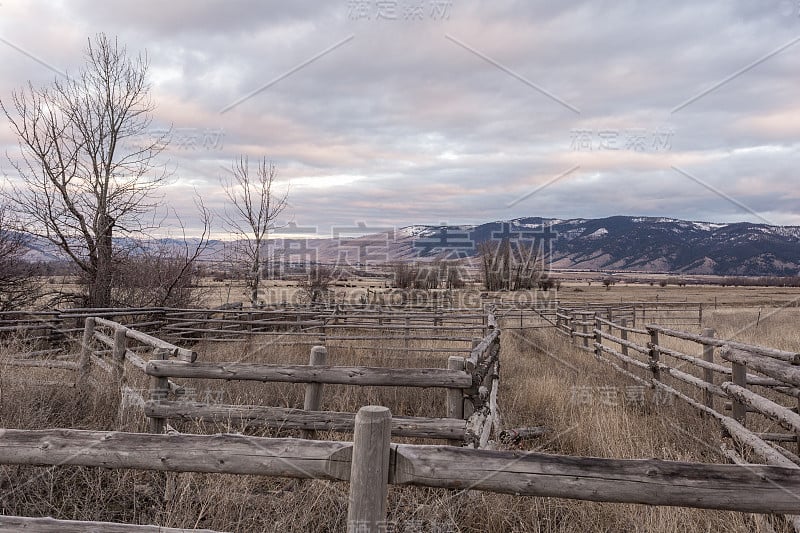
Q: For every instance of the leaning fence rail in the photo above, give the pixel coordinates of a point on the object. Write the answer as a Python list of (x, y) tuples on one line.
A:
[(371, 462), (644, 355)]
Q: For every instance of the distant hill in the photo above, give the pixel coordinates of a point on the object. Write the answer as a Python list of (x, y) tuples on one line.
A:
[(618, 243), (650, 244)]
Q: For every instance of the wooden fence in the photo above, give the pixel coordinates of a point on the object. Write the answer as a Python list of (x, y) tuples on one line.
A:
[(470, 382), (718, 375), (371, 462)]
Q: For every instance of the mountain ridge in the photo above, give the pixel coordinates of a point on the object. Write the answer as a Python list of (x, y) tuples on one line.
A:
[(650, 244), (615, 243)]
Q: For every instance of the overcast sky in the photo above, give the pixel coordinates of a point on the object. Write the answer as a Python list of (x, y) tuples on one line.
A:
[(414, 112)]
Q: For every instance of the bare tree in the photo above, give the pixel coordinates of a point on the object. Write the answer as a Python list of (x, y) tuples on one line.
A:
[(163, 272), (509, 266), (255, 205), (84, 179), (19, 282), (315, 286)]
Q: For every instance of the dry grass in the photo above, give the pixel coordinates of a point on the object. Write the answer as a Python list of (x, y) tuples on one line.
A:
[(545, 381)]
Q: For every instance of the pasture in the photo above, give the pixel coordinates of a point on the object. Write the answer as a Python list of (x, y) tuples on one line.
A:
[(580, 406)]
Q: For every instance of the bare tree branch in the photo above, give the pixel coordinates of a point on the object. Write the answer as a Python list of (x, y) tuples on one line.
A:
[(255, 204), (83, 178)]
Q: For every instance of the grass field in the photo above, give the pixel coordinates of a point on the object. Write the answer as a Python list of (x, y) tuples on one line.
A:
[(590, 410)]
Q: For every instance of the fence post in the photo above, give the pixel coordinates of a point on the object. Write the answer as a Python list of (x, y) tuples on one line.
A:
[(159, 387), (455, 397), (585, 332), (85, 361), (739, 410), (313, 397), (407, 334), (118, 362), (571, 323), (369, 470), (469, 406), (700, 314), (118, 355), (708, 374), (623, 334), (654, 355), (598, 337)]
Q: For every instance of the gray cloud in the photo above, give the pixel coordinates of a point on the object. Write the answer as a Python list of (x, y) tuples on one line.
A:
[(402, 125)]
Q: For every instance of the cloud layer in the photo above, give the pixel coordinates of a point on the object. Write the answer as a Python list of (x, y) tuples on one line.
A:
[(406, 112)]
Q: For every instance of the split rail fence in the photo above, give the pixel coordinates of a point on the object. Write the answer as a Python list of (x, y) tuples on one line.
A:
[(372, 462), (721, 378)]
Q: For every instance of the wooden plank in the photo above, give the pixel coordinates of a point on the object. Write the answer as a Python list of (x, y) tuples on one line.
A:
[(225, 454), (790, 357), (51, 525), (624, 358), (623, 342), (336, 375), (758, 489), (181, 353), (48, 363), (783, 415), (709, 388), (779, 370), (622, 327), (626, 372), (294, 419), (759, 447), (752, 379)]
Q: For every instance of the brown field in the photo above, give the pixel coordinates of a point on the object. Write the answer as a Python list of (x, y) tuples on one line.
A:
[(545, 381)]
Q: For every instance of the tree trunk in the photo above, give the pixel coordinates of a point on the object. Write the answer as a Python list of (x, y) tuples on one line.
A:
[(100, 282), (255, 274)]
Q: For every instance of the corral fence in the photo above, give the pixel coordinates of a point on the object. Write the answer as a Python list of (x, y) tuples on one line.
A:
[(470, 381), (723, 379), (372, 462)]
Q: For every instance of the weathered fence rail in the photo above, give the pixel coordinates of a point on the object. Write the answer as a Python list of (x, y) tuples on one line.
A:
[(372, 462), (470, 381), (649, 356)]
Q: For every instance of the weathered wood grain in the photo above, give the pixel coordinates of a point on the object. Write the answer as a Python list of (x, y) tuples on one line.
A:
[(337, 375), (369, 470), (783, 415), (758, 489), (782, 355), (291, 419), (231, 454), (51, 525), (773, 368)]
